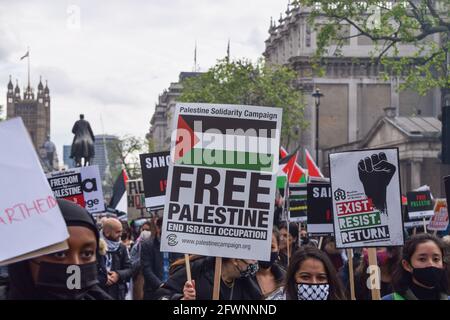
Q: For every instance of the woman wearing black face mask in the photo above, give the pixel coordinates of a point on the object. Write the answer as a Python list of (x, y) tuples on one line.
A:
[(237, 280), (65, 275), (310, 276), (270, 275), (421, 273)]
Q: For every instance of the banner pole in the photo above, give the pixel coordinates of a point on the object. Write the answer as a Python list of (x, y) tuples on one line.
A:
[(376, 295), (188, 267), (425, 225), (320, 243), (351, 273), (217, 274)]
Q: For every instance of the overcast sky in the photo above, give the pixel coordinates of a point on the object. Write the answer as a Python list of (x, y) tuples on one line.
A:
[(112, 59)]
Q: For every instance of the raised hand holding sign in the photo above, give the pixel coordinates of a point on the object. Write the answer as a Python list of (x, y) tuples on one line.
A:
[(375, 174)]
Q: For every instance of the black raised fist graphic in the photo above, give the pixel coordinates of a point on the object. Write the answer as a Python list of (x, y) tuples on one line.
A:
[(375, 174)]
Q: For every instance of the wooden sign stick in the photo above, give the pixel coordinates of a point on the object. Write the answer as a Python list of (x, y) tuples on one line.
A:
[(376, 295), (414, 231), (188, 267), (320, 243), (425, 225), (217, 276), (351, 273)]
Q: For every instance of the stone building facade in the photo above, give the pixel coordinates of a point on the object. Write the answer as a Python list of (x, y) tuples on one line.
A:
[(417, 139), (354, 92)]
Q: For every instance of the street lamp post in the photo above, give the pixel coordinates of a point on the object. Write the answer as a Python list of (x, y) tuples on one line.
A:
[(317, 95)]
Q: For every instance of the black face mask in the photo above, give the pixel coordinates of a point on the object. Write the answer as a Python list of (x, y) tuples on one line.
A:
[(269, 264), (429, 276), (58, 281), (304, 240)]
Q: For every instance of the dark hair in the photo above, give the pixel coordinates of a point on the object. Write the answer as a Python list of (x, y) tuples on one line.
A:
[(402, 279), (300, 256), (126, 233), (159, 222), (293, 228)]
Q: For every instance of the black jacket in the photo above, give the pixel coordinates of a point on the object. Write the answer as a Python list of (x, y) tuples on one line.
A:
[(122, 265), (202, 271), (152, 263)]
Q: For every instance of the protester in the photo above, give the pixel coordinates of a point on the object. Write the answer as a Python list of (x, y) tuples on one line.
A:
[(236, 281), (270, 275), (135, 257), (155, 264), (310, 276), (47, 277), (118, 262), (387, 259), (284, 239), (421, 274)]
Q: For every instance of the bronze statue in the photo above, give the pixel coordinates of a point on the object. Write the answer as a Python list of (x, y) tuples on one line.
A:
[(83, 142)]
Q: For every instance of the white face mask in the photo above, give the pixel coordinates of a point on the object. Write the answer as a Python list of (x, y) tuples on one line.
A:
[(307, 291)]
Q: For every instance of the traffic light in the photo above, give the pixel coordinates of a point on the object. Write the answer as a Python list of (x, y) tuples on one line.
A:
[(445, 135)]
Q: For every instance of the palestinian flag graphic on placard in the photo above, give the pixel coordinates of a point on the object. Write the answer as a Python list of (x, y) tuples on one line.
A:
[(221, 142)]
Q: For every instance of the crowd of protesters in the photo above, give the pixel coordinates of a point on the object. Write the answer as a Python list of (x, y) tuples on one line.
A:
[(121, 261)]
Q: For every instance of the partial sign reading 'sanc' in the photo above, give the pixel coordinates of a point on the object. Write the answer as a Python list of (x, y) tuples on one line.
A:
[(366, 198), (221, 183)]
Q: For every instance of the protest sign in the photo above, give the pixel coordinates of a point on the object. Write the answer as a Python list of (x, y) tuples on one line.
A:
[(81, 185), (439, 222), (366, 198), (136, 200), (320, 209), (220, 199), (31, 223), (297, 202), (154, 168), (420, 204)]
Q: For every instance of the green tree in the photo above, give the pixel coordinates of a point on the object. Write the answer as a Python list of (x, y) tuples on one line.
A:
[(246, 83), (1, 113), (390, 24)]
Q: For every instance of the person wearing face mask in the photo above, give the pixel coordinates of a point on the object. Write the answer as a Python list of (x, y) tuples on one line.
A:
[(421, 274), (47, 277), (155, 264), (237, 280), (118, 262), (387, 259), (310, 276), (270, 275)]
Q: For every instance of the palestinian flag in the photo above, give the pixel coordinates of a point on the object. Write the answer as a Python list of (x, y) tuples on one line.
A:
[(220, 142), (119, 197), (313, 169), (289, 167)]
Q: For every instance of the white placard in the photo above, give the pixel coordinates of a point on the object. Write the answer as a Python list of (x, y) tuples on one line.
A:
[(221, 182), (30, 218), (366, 198)]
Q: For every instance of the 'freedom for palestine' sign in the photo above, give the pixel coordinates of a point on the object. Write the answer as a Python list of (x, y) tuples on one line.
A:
[(366, 198), (221, 182)]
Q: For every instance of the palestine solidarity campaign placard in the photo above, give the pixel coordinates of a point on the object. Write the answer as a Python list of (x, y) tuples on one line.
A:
[(366, 197), (221, 182)]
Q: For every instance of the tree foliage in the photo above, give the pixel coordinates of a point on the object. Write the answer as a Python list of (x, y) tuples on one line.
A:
[(389, 24), (246, 83)]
